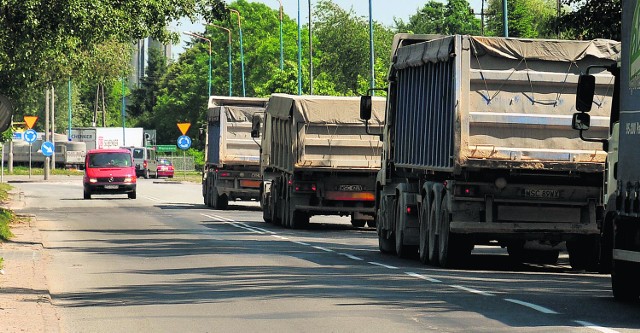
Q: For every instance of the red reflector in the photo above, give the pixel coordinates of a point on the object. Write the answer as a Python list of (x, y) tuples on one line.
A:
[(290, 182), (467, 191), (224, 174), (313, 187), (409, 210), (350, 196), (297, 188)]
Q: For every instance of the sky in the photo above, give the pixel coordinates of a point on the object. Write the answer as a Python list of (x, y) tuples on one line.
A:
[(383, 11)]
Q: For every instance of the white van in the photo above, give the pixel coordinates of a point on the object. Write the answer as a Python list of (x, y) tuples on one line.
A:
[(145, 161)]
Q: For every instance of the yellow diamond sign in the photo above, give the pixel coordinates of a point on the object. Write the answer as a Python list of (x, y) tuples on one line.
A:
[(184, 127)]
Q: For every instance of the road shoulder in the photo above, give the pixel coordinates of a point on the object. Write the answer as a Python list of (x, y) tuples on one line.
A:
[(25, 302)]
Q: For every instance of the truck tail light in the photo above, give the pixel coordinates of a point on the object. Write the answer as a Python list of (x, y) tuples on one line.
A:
[(412, 210), (305, 187), (466, 191), (224, 174), (145, 164)]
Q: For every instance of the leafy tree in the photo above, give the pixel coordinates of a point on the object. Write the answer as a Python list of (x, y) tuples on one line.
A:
[(592, 19), (144, 98), (527, 18), (454, 17)]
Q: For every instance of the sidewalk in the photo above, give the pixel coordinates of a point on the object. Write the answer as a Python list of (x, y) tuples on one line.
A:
[(25, 303)]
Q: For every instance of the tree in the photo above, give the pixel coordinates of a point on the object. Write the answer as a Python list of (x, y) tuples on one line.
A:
[(527, 18), (455, 17), (592, 19), (144, 97)]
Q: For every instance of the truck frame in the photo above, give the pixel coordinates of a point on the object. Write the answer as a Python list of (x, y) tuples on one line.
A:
[(232, 167), (620, 234), (317, 159), (478, 149)]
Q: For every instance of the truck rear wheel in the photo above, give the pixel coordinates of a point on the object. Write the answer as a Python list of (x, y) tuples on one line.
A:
[(218, 201), (432, 242), (298, 219), (452, 248), (357, 223), (624, 280), (423, 249), (402, 250), (386, 244), (584, 253)]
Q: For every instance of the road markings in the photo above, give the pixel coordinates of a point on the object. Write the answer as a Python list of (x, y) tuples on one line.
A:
[(531, 306), (420, 276), (471, 290), (351, 256), (322, 248), (382, 265), (301, 243), (153, 199), (595, 327), (280, 237)]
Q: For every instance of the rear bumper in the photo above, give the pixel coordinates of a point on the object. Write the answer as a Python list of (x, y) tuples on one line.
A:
[(528, 228), (328, 210)]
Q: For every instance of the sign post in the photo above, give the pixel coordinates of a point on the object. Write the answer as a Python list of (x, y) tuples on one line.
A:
[(30, 137), (184, 142)]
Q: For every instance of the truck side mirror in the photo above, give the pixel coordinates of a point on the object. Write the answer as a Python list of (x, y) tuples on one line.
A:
[(365, 107), (255, 126), (581, 121), (585, 91)]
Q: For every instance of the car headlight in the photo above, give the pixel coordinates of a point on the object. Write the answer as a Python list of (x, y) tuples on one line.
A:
[(128, 179), (93, 180)]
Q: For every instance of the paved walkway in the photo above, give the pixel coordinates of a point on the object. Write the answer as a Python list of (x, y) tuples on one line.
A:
[(25, 303)]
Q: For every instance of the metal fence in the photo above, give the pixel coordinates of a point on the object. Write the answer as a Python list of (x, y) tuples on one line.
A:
[(181, 163)]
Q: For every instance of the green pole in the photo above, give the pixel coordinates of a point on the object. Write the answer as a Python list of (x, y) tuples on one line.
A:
[(281, 44), (230, 71), (209, 69), (69, 102), (124, 137)]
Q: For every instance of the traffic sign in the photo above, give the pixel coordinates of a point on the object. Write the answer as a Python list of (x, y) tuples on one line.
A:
[(30, 121), (30, 136), (165, 148), (184, 142), (17, 136), (184, 127), (47, 148)]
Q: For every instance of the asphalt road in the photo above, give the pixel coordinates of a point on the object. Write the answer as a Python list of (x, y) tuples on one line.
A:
[(166, 263)]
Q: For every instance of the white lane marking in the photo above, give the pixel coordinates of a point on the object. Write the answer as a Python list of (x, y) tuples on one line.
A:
[(301, 243), (322, 248), (531, 306), (153, 199), (382, 265), (420, 276), (351, 256), (471, 290), (595, 327), (221, 218), (280, 237), (234, 223), (261, 229)]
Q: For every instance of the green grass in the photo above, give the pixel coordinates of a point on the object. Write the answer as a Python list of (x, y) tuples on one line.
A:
[(6, 215), (24, 171)]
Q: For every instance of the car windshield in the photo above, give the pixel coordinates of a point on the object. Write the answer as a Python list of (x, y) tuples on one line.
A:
[(138, 153), (164, 162), (110, 160)]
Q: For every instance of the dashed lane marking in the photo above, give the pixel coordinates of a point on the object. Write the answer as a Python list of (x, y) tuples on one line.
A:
[(595, 327), (531, 306), (471, 290), (350, 256), (382, 265), (422, 277)]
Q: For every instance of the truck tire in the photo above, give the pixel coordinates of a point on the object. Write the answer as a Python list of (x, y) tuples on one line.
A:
[(606, 246), (432, 242), (385, 244), (624, 280), (87, 195), (423, 247), (218, 201), (266, 211), (584, 253), (518, 254), (298, 219), (357, 223), (452, 248), (145, 174)]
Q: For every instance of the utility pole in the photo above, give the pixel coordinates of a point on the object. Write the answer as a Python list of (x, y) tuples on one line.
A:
[(505, 18), (310, 53), (53, 127), (46, 129)]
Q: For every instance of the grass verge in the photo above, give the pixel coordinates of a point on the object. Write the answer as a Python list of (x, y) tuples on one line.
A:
[(6, 215)]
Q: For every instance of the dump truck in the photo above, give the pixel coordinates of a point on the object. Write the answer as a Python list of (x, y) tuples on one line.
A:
[(232, 156), (318, 159), (620, 232), (479, 149)]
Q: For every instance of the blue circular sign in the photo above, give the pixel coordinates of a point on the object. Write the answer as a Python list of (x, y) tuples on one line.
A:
[(47, 148), (184, 142), (30, 136)]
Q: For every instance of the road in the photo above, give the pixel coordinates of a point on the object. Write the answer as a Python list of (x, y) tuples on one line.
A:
[(166, 263)]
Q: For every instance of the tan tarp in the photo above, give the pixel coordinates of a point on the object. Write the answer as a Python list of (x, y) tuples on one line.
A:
[(238, 109), (323, 109), (440, 49)]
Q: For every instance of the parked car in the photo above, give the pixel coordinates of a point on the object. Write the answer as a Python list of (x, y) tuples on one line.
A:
[(165, 169), (145, 161), (109, 171)]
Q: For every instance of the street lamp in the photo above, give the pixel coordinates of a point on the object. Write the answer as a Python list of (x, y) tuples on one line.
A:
[(310, 53), (281, 46), (209, 41), (299, 53), (230, 75), (241, 50), (372, 82)]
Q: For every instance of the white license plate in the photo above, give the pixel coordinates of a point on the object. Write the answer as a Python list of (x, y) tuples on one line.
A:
[(541, 193), (111, 187), (350, 188)]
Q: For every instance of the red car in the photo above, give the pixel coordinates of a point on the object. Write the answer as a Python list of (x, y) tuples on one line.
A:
[(165, 169), (109, 171)]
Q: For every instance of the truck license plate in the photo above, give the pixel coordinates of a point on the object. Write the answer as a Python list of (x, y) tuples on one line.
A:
[(111, 187), (350, 188), (541, 193)]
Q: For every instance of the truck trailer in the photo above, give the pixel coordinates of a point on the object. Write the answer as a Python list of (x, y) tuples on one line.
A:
[(478, 149), (620, 233), (318, 159), (232, 156), (108, 137)]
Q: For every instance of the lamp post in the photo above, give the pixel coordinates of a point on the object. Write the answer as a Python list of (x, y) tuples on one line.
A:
[(241, 50), (229, 47), (281, 44), (299, 53), (208, 41), (310, 54), (372, 82), (505, 18)]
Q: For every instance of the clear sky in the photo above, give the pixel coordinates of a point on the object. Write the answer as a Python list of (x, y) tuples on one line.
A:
[(384, 11)]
